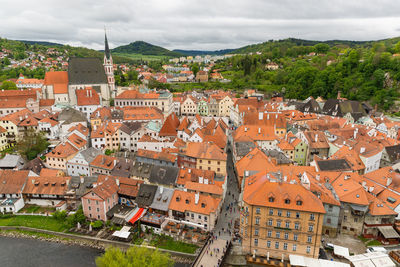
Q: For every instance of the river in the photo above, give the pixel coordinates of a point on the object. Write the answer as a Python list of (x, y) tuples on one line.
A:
[(23, 252)]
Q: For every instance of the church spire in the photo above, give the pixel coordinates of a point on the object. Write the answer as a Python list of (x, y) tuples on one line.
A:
[(106, 49)]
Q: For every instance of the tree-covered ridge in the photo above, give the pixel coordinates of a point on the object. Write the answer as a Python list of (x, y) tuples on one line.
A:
[(369, 71), (143, 48)]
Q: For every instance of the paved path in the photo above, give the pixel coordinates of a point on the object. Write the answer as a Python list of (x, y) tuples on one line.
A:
[(210, 256)]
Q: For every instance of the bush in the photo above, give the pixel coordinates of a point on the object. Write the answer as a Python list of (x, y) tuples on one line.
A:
[(97, 224), (60, 215), (73, 219)]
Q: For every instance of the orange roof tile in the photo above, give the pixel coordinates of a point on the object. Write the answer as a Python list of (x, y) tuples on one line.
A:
[(185, 201), (62, 151)]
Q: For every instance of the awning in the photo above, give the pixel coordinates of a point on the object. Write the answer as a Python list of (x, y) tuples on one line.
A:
[(137, 215), (121, 234), (341, 251), (388, 232), (296, 260)]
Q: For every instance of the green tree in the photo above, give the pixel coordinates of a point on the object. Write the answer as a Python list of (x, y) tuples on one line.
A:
[(8, 85), (32, 143), (321, 48), (195, 68), (134, 257)]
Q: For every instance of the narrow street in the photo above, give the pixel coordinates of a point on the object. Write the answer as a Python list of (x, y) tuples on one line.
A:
[(213, 254)]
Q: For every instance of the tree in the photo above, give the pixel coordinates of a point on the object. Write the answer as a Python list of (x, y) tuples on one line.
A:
[(134, 257), (31, 144), (195, 68), (9, 85), (321, 48)]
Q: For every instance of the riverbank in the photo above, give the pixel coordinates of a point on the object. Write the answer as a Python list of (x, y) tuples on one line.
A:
[(80, 240)]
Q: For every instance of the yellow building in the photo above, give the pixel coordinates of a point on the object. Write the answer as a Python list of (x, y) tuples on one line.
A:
[(204, 156), (3, 139), (278, 219), (58, 157), (225, 106)]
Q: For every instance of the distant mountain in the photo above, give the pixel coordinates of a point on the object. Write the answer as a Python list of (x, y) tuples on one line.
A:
[(204, 52), (143, 48), (40, 43)]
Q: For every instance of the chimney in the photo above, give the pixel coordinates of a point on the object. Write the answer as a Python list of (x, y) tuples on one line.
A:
[(82, 180), (259, 130), (268, 116), (292, 113), (362, 150), (90, 93), (200, 180), (316, 138), (276, 116), (388, 181), (317, 177), (285, 178), (87, 93), (117, 182), (260, 116), (196, 198), (33, 181), (245, 129), (355, 134), (115, 162), (189, 170), (205, 181)]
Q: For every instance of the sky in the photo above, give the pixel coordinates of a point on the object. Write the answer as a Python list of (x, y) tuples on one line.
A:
[(197, 25)]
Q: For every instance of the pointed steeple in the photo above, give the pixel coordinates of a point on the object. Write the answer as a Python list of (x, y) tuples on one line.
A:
[(106, 49)]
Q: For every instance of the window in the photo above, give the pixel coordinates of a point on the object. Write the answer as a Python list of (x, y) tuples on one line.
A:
[(270, 222), (271, 199), (295, 237), (296, 225), (257, 220), (269, 233), (255, 241), (355, 220), (294, 247), (311, 228), (271, 212), (312, 217), (308, 250), (309, 239), (287, 224), (278, 224), (277, 245), (297, 215), (284, 246), (288, 214), (192, 216), (328, 220), (278, 234), (279, 213), (287, 201), (268, 244), (200, 217), (256, 231), (258, 211), (286, 235), (344, 218), (299, 202)]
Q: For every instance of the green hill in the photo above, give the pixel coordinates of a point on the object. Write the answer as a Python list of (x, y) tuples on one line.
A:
[(143, 48)]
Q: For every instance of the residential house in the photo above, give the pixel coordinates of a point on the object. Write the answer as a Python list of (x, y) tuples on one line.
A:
[(79, 164), (60, 155)]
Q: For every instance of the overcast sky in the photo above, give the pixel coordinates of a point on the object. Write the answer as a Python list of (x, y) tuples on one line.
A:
[(204, 25)]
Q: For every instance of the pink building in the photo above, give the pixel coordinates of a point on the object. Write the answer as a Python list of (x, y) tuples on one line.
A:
[(100, 199)]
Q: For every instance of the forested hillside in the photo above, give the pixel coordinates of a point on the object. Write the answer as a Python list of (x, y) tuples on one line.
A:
[(366, 71)]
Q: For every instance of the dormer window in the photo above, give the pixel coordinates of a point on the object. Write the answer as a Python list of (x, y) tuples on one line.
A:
[(271, 199), (178, 199), (187, 201), (287, 201), (299, 202), (203, 205)]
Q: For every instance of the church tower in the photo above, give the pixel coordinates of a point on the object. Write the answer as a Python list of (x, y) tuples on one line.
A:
[(108, 66)]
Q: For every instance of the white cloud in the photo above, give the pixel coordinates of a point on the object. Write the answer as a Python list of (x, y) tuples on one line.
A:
[(190, 24)]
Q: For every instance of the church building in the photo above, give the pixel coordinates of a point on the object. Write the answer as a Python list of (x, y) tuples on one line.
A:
[(83, 73)]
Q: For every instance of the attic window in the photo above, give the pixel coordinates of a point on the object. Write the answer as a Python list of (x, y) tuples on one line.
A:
[(271, 199), (391, 200), (187, 201), (287, 201), (178, 199), (203, 205), (299, 202), (357, 196)]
